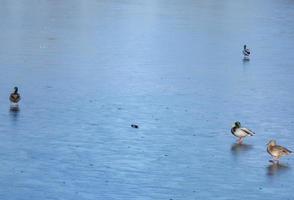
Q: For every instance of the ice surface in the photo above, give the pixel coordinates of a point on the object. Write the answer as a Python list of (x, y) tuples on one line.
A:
[(87, 70)]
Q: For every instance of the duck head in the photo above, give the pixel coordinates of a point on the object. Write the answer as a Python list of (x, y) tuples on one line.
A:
[(271, 143), (15, 90), (245, 46), (237, 124)]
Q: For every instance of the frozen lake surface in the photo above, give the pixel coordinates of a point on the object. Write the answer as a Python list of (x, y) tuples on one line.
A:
[(87, 70)]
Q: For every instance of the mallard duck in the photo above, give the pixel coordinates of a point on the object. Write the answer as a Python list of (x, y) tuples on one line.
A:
[(15, 96), (246, 52), (240, 132), (276, 151)]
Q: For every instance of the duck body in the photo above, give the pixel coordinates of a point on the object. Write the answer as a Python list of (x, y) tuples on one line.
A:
[(277, 151), (241, 132), (15, 96), (246, 52)]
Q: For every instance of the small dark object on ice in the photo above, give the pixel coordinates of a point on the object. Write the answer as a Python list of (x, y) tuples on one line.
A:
[(134, 126)]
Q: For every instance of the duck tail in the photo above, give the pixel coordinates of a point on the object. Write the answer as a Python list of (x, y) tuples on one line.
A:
[(248, 131), (251, 132)]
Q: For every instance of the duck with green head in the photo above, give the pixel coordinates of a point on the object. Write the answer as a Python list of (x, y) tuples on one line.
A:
[(241, 132), (277, 151), (14, 96)]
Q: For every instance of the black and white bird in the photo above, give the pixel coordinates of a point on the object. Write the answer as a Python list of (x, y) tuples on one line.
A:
[(246, 52), (241, 132), (14, 96)]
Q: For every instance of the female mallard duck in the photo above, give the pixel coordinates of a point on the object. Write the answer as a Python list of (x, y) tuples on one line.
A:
[(240, 132), (276, 151), (246, 52), (14, 97)]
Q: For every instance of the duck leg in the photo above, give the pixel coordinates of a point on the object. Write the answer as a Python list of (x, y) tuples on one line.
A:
[(240, 140), (275, 160)]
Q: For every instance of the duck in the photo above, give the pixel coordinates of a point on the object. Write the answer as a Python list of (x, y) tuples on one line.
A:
[(241, 132), (15, 96), (246, 52), (276, 151)]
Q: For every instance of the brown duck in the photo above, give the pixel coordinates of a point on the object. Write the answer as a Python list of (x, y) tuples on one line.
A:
[(277, 151), (15, 96)]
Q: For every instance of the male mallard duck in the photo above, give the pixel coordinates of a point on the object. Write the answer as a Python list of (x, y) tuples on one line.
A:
[(246, 52), (277, 151), (14, 97), (241, 132)]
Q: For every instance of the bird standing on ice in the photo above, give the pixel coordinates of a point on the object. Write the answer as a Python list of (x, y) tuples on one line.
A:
[(276, 151), (240, 132), (14, 97), (246, 52)]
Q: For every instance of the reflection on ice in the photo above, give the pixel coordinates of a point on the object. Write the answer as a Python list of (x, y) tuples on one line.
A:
[(14, 108), (14, 111), (277, 168), (239, 148), (246, 60)]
